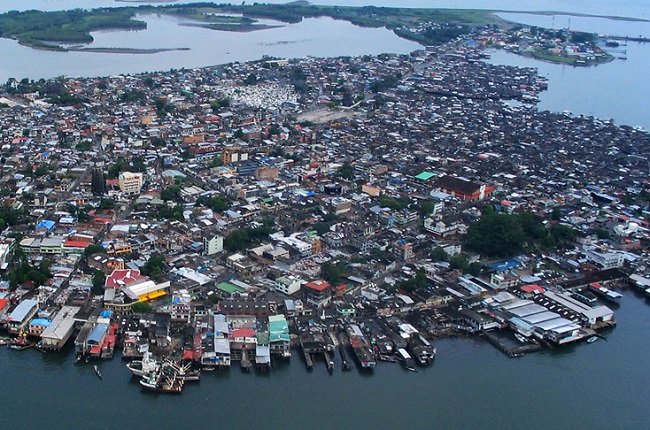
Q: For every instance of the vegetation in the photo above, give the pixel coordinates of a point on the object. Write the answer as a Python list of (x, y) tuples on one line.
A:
[(23, 271), (218, 204), (154, 267), (346, 171), (418, 281), (399, 203), (48, 29), (94, 249), (99, 279), (141, 308), (172, 193), (242, 238), (502, 235), (333, 271)]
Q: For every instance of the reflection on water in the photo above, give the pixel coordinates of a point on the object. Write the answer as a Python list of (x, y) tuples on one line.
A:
[(320, 37)]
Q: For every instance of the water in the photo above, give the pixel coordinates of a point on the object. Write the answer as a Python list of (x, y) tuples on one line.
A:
[(319, 37), (471, 385)]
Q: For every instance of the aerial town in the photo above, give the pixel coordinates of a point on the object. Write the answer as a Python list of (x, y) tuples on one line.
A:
[(334, 212)]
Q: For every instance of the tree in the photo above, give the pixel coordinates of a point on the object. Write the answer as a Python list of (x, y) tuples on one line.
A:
[(346, 171), (141, 308), (171, 193), (154, 267), (426, 208), (251, 79), (108, 203), (94, 249), (439, 254), (333, 271), (99, 280), (497, 235)]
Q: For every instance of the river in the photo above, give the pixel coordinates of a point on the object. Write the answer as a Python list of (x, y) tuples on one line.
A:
[(471, 385)]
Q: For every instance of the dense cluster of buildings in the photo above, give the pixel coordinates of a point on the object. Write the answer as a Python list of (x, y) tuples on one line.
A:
[(305, 209)]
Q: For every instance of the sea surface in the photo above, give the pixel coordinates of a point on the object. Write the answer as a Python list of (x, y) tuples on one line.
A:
[(604, 385)]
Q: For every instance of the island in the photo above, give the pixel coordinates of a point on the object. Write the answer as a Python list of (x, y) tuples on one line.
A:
[(429, 27)]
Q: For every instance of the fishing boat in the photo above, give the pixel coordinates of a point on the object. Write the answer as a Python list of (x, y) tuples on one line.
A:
[(161, 382), (97, 371), (143, 367), (20, 343)]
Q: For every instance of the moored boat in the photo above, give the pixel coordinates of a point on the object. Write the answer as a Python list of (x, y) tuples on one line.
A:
[(143, 367)]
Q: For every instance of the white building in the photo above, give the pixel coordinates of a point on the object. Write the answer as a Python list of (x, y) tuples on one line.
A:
[(606, 260), (288, 284), (213, 245), (130, 183)]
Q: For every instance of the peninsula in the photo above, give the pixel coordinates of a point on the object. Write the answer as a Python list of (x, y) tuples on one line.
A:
[(59, 29)]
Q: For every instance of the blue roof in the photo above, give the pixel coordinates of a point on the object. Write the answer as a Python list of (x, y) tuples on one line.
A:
[(41, 321), (505, 265), (47, 224), (98, 332), (106, 314)]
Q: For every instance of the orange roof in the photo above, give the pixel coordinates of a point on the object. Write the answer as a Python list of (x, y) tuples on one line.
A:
[(532, 288), (76, 244), (319, 285)]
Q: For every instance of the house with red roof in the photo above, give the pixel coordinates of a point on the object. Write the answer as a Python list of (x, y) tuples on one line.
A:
[(317, 293)]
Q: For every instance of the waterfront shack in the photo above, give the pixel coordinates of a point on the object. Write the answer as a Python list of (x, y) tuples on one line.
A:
[(60, 330)]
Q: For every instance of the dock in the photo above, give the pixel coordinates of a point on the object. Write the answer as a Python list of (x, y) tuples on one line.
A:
[(329, 361), (308, 360), (245, 361), (345, 363), (509, 345)]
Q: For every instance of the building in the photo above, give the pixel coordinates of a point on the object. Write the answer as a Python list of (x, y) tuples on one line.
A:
[(463, 189), (279, 341), (60, 330), (18, 319), (213, 244), (288, 284), (130, 183), (317, 293), (606, 260)]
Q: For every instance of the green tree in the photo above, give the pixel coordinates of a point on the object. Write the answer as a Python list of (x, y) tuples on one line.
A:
[(99, 280), (154, 267), (107, 203), (496, 235), (141, 308), (346, 171), (171, 193), (439, 254), (94, 249)]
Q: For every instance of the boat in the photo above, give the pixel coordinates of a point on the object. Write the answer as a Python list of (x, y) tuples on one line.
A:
[(20, 343), (143, 367), (97, 371), (521, 338), (592, 339), (161, 382)]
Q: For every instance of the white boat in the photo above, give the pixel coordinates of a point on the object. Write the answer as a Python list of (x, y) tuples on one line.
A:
[(521, 338), (592, 339), (143, 367)]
